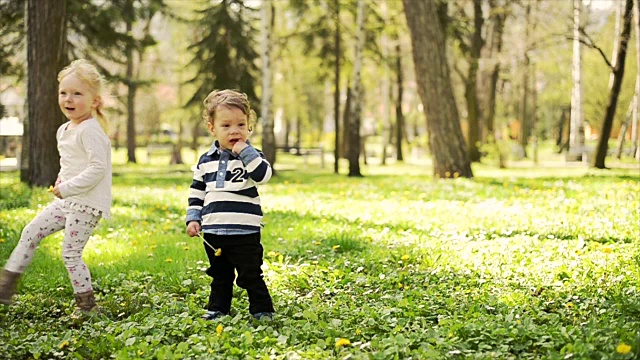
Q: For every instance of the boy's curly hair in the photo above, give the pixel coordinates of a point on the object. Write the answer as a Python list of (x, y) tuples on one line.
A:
[(229, 99)]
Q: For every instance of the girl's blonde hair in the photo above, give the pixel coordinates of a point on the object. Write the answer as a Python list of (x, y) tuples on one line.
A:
[(88, 73), (230, 99)]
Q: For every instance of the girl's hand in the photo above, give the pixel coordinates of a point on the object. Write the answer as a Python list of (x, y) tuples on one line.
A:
[(193, 228), (56, 191), (239, 146)]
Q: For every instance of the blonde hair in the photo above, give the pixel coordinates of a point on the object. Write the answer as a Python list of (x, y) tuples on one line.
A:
[(230, 99), (88, 73)]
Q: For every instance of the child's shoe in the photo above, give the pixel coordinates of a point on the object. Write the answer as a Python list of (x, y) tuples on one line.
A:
[(213, 315), (263, 316), (86, 301), (86, 306), (8, 281)]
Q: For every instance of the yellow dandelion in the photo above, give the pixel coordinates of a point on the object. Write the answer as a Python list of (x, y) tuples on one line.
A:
[(447, 174), (623, 349), (1, 241), (342, 342), (323, 220), (272, 253), (335, 247), (186, 248), (133, 243), (358, 331), (50, 189), (607, 250), (219, 329), (317, 242), (218, 252), (400, 286), (405, 257), (63, 344), (140, 352), (456, 175), (569, 304), (169, 260)]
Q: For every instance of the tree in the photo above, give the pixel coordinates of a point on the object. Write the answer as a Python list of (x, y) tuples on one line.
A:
[(11, 35), (46, 56), (576, 126), (636, 110), (356, 102), (399, 116), (224, 52), (268, 136), (322, 36), (615, 85), (471, 49), (450, 158)]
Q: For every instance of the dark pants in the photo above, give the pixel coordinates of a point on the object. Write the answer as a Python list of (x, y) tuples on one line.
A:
[(241, 253)]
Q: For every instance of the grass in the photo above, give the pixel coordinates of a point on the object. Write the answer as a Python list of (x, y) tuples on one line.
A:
[(522, 263)]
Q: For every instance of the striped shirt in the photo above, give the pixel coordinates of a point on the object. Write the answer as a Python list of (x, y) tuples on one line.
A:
[(223, 196)]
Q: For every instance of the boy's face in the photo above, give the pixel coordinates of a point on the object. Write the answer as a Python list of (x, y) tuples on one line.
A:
[(230, 125)]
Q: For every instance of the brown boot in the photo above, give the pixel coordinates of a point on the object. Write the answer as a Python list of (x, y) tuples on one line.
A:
[(8, 281), (86, 302)]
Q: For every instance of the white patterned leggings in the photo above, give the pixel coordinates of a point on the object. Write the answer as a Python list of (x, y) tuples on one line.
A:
[(78, 223)]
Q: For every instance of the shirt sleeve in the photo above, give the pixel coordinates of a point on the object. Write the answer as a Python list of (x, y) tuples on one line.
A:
[(258, 168), (196, 196)]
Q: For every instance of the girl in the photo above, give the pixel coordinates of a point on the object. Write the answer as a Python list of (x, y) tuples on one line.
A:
[(83, 187)]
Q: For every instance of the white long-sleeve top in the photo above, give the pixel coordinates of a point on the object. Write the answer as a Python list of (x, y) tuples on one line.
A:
[(85, 165)]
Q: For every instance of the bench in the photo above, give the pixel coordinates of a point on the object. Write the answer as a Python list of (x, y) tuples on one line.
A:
[(304, 151), (158, 149)]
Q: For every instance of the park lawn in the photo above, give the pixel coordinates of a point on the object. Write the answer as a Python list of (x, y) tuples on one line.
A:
[(519, 263)]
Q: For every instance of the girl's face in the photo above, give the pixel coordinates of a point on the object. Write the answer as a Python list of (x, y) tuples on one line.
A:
[(230, 125), (76, 99)]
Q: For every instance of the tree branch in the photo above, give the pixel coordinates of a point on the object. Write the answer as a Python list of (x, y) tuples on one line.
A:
[(591, 44)]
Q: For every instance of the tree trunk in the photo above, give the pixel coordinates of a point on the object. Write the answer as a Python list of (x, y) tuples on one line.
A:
[(498, 19), (534, 116), (176, 153), (400, 126), (636, 109), (448, 148), (471, 84), (268, 136), (336, 93), (131, 96), (46, 56), (524, 124), (386, 84), (195, 134), (346, 116), (576, 127), (618, 71), (356, 103), (624, 127)]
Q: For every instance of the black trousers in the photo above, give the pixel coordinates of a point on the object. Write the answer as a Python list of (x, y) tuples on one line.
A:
[(241, 253)]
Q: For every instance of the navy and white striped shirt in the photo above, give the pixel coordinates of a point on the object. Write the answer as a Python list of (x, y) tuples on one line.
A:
[(223, 196)]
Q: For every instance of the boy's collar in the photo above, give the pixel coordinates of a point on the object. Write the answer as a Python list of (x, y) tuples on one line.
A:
[(215, 148)]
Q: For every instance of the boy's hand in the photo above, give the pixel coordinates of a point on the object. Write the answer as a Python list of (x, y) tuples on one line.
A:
[(193, 228), (239, 146)]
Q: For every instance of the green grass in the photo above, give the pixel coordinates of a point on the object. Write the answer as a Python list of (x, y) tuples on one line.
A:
[(522, 263)]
